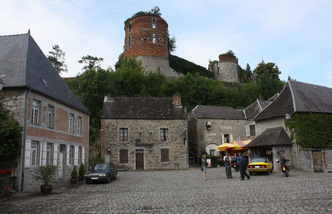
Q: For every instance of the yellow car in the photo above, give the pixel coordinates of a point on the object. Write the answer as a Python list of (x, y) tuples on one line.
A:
[(260, 165)]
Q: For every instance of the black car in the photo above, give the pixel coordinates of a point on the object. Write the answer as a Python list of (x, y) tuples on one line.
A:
[(102, 172)]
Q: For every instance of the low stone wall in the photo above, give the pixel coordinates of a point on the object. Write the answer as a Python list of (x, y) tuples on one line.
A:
[(306, 161)]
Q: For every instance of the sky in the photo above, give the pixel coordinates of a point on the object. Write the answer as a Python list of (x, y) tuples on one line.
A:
[(296, 35)]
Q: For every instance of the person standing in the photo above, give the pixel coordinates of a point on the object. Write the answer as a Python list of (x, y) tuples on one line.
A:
[(204, 166), (243, 168), (228, 164)]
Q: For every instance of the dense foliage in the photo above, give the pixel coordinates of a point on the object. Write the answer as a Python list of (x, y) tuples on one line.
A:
[(10, 133), (57, 58), (312, 130), (184, 66), (131, 80)]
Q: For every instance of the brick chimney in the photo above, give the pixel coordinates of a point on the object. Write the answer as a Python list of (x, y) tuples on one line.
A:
[(177, 99)]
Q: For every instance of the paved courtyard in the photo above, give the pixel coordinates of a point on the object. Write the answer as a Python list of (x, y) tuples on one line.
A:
[(184, 191)]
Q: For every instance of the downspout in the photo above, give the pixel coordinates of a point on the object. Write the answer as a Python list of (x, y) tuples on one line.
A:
[(23, 141)]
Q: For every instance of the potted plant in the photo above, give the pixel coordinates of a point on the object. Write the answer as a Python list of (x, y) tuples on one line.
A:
[(81, 172), (46, 174), (8, 191), (73, 179)]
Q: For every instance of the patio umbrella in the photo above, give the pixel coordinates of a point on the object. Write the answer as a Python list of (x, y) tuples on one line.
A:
[(238, 145), (225, 146)]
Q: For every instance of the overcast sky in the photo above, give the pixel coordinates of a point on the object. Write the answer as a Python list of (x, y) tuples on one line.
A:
[(294, 34)]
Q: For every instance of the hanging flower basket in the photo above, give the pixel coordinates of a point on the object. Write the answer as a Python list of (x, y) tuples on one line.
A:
[(268, 152)]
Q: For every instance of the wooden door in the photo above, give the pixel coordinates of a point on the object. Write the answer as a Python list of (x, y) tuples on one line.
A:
[(318, 161), (139, 159)]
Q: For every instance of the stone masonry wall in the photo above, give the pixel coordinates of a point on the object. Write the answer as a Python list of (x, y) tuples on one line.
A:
[(145, 134)]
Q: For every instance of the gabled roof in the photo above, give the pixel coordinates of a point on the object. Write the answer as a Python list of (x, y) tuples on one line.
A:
[(24, 65), (218, 112), (299, 97), (271, 137), (141, 108), (256, 107)]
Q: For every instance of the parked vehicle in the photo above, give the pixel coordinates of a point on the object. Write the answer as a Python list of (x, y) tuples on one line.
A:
[(235, 163), (260, 165), (102, 172), (284, 167)]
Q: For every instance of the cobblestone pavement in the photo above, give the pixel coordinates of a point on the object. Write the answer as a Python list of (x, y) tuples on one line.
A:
[(184, 191)]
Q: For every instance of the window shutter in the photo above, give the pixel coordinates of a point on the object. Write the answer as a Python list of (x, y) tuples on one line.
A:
[(55, 154), (123, 155), (43, 153), (83, 155), (230, 138), (164, 155), (68, 155), (76, 156), (222, 139), (27, 153), (247, 131)]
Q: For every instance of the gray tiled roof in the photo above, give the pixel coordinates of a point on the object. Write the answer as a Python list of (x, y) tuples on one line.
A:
[(299, 97), (141, 108), (24, 65), (218, 112), (271, 137), (255, 108)]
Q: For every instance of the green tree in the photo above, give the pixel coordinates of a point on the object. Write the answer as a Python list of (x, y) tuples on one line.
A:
[(267, 68), (268, 86), (57, 58), (91, 62), (10, 133)]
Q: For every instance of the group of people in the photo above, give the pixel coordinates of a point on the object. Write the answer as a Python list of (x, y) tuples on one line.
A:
[(242, 161)]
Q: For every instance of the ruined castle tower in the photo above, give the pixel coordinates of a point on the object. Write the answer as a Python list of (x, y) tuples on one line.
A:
[(147, 40), (227, 69)]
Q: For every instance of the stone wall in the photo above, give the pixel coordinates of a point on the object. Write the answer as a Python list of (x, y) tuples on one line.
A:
[(145, 135), (235, 128), (155, 63)]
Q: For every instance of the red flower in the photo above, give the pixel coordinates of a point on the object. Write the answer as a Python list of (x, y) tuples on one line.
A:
[(1, 172)]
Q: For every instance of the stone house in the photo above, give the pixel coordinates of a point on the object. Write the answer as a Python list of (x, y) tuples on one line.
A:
[(55, 122), (298, 97), (144, 133)]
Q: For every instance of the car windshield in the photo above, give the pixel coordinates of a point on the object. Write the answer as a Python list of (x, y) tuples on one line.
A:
[(258, 160), (100, 167)]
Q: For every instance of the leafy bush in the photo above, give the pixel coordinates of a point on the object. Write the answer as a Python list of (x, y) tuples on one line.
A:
[(46, 174), (81, 170), (74, 173)]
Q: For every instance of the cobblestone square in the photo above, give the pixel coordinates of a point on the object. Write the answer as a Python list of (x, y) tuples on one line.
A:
[(184, 191)]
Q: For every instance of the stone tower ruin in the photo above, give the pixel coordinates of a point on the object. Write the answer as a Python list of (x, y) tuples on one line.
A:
[(226, 70), (146, 38)]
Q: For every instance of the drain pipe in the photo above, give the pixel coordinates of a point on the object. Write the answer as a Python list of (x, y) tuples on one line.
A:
[(23, 140)]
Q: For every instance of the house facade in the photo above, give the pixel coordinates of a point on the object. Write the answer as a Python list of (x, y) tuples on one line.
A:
[(144, 133), (55, 122), (299, 98)]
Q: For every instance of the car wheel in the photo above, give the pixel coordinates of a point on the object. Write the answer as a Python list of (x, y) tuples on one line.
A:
[(108, 179), (250, 173), (87, 181), (268, 172), (114, 177)]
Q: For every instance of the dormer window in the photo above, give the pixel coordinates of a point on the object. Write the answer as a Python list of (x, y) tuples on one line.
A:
[(68, 94)]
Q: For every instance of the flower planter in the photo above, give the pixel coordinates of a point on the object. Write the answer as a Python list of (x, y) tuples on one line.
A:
[(73, 181), (8, 194), (46, 189)]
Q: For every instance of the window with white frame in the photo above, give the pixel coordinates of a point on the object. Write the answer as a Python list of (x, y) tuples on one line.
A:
[(163, 134), (79, 125), (50, 116), (35, 115), (49, 154), (71, 123), (123, 134), (34, 153)]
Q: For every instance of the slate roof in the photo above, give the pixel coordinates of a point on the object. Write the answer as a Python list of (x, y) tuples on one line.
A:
[(299, 97), (141, 108), (25, 66), (271, 137), (218, 112), (256, 107)]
